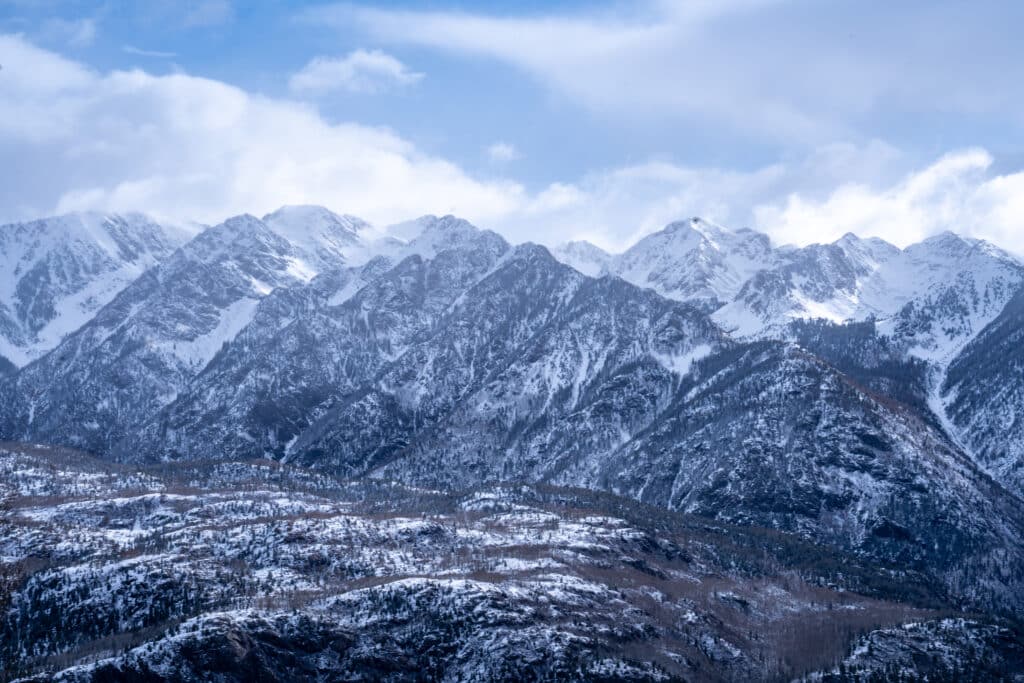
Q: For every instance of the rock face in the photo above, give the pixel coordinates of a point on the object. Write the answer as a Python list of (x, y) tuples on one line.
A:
[(534, 368), (55, 274)]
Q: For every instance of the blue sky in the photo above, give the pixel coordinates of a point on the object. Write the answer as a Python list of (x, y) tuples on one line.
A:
[(547, 121)]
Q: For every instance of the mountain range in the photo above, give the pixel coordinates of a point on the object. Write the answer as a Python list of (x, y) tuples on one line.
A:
[(856, 396)]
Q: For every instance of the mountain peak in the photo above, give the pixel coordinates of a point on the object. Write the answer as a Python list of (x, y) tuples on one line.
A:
[(867, 252), (310, 217), (585, 257), (945, 237), (686, 225), (437, 234), (446, 223), (695, 259), (708, 229)]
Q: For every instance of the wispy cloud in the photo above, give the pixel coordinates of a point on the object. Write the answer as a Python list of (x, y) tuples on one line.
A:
[(502, 152), (361, 71), (132, 50), (835, 190), (73, 32), (781, 70), (208, 12)]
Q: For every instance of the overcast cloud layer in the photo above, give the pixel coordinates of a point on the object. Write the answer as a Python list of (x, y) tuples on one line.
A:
[(189, 148)]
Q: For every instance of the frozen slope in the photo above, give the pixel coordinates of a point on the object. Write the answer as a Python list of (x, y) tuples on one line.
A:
[(56, 273)]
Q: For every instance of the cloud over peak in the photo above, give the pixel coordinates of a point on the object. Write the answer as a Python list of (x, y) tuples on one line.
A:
[(185, 147), (188, 147)]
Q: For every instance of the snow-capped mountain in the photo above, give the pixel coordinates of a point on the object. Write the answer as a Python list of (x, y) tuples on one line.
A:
[(935, 295), (57, 272), (696, 260), (469, 331), (141, 349), (475, 361), (928, 301), (309, 346), (952, 287), (852, 408), (815, 282)]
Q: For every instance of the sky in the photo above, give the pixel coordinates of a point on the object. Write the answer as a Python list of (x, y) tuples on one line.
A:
[(547, 121)]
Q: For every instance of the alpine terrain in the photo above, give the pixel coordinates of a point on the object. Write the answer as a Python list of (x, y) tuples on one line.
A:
[(300, 447)]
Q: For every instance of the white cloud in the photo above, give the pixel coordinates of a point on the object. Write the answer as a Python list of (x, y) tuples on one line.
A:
[(187, 147), (191, 148), (361, 71), (956, 192), (836, 189), (501, 152)]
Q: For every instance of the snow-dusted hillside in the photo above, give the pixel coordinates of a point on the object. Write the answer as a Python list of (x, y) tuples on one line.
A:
[(56, 273), (256, 571)]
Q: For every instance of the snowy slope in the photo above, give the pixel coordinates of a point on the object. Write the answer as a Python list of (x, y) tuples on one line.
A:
[(952, 287), (56, 273), (141, 348), (321, 236), (983, 396)]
